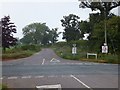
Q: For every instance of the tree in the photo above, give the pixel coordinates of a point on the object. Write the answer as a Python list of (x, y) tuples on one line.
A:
[(39, 33), (54, 35), (101, 5), (71, 27), (113, 32), (35, 33), (8, 29), (85, 27)]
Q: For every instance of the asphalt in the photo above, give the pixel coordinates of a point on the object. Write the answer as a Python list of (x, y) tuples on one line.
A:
[(46, 68)]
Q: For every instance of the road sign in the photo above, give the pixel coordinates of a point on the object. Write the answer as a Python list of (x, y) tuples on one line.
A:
[(74, 50), (105, 49)]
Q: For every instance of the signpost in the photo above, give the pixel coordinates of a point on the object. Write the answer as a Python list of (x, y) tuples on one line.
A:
[(105, 48), (74, 49)]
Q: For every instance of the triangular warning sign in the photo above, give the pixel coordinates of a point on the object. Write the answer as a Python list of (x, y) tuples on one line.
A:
[(54, 60)]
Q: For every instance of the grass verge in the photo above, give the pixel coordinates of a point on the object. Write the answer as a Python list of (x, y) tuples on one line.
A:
[(3, 87), (20, 52), (65, 51)]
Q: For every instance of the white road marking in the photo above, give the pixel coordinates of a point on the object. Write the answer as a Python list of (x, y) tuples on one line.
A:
[(12, 77), (23, 77), (81, 82), (43, 62), (1, 77), (49, 86), (39, 76), (54, 60)]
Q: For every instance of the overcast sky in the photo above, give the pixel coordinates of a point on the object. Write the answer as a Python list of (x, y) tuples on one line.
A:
[(24, 12)]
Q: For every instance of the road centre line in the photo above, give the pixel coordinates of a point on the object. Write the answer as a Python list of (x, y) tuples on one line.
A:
[(23, 77), (43, 62), (81, 82), (39, 76), (12, 77)]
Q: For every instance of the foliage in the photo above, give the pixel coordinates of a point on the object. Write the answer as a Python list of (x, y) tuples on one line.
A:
[(85, 27), (65, 52), (8, 29), (102, 6), (72, 28), (20, 51), (39, 33), (54, 35), (31, 47), (113, 32), (34, 33), (94, 18), (17, 55), (3, 87)]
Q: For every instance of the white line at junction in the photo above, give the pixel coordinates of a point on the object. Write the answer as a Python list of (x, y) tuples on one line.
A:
[(43, 62), (39, 76), (81, 82), (12, 77), (26, 77)]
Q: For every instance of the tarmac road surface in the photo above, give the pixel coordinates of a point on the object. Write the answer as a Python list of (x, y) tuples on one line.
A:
[(46, 69)]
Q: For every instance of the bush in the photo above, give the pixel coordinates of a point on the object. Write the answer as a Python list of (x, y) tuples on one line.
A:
[(109, 58), (17, 55), (20, 51), (30, 47)]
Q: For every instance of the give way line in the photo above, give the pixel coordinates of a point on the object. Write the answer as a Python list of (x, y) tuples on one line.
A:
[(81, 82)]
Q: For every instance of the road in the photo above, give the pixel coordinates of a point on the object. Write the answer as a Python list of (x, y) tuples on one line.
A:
[(45, 68)]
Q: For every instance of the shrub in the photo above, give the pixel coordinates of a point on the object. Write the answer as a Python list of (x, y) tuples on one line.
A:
[(31, 47), (17, 55)]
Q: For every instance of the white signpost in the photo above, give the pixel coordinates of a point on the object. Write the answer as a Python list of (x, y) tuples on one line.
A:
[(74, 49), (105, 48)]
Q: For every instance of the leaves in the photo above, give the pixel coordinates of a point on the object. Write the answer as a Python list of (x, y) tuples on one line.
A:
[(71, 27), (8, 29), (39, 33), (100, 5)]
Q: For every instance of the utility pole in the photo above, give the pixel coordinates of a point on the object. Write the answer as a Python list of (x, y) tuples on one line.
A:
[(105, 27), (105, 47)]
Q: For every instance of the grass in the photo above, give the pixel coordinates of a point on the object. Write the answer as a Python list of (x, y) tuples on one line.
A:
[(20, 52), (16, 55), (3, 87), (64, 51)]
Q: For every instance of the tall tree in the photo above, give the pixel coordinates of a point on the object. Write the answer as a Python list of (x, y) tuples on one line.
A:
[(8, 28), (85, 27), (113, 32), (39, 33), (101, 5), (71, 27), (35, 33), (54, 35)]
